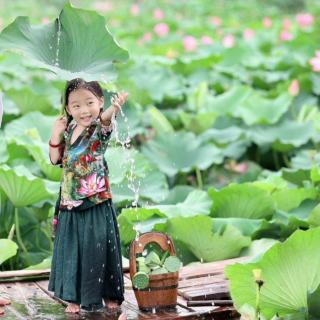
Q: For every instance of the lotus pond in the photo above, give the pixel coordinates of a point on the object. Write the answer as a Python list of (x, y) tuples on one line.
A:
[(218, 145)]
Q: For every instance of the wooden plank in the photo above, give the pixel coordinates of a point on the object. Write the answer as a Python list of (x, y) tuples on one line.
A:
[(28, 301), (222, 294), (202, 281)]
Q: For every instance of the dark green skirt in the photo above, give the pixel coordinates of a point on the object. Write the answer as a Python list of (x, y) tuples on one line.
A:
[(86, 263)]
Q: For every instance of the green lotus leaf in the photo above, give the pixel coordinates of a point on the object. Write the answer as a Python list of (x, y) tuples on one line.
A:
[(44, 264), (177, 194), (290, 270), (180, 152), (285, 136), (23, 188), (199, 122), (159, 122), (197, 202), (287, 199), (306, 159), (228, 102), (296, 176), (3, 149), (76, 44), (152, 186), (22, 125), (222, 136), (196, 233), (241, 201), (8, 249), (133, 220)]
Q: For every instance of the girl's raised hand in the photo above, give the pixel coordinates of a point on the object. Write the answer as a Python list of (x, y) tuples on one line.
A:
[(119, 99), (59, 126)]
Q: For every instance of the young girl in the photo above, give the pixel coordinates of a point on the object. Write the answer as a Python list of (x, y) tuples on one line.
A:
[(86, 263)]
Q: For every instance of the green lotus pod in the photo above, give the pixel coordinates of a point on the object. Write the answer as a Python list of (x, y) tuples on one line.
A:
[(172, 263), (143, 268), (160, 270), (140, 259), (164, 256), (140, 280), (152, 259)]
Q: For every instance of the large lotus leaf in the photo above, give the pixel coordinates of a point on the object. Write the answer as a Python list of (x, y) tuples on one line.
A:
[(306, 159), (159, 122), (197, 100), (27, 100), (258, 248), (35, 119), (158, 81), (248, 227), (259, 110), (287, 199), (285, 136), (199, 122), (77, 44), (3, 148), (197, 202), (39, 150), (296, 176), (8, 249), (134, 220), (181, 152), (314, 217), (221, 136), (45, 264), (241, 201), (228, 102), (289, 271), (23, 188), (123, 162), (196, 233), (152, 186), (178, 194)]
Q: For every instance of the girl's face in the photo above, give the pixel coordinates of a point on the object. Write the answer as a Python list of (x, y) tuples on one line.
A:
[(84, 106)]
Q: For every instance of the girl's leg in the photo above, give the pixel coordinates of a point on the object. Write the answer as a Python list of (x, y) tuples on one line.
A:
[(72, 308), (112, 305), (1, 311), (4, 301)]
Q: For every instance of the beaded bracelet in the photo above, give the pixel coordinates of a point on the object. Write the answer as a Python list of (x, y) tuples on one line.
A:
[(54, 145)]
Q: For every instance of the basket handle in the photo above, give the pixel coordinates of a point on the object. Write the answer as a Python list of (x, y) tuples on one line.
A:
[(137, 246)]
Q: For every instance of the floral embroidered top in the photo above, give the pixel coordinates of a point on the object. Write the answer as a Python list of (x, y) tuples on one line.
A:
[(85, 173)]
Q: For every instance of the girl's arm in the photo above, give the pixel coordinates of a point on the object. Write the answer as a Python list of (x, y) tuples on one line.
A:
[(57, 140), (115, 107)]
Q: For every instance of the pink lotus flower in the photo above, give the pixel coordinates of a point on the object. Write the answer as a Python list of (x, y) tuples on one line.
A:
[(304, 20), (45, 20), (216, 21), (267, 22), (189, 43), (206, 40), (161, 29), (286, 24), (248, 34), (315, 62), (285, 35), (103, 6), (228, 41), (294, 88), (91, 185), (158, 14), (147, 37), (134, 9)]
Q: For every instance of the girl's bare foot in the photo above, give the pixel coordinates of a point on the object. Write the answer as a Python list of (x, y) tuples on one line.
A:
[(111, 305), (4, 301), (122, 317), (72, 308)]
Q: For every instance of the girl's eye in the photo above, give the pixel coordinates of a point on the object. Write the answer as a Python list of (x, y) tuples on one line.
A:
[(91, 102)]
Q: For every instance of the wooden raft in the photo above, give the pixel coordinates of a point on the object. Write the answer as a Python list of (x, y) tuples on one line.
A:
[(202, 294)]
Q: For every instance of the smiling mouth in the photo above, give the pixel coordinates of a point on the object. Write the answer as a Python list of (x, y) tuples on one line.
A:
[(86, 118)]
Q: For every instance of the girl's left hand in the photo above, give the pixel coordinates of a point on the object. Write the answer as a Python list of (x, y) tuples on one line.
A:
[(118, 100)]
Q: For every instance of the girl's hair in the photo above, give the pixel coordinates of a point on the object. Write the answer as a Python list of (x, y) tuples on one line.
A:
[(76, 84)]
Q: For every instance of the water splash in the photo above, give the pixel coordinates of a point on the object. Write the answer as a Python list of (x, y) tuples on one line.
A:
[(56, 63)]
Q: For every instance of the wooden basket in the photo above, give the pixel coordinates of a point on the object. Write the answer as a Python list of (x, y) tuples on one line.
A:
[(162, 291)]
